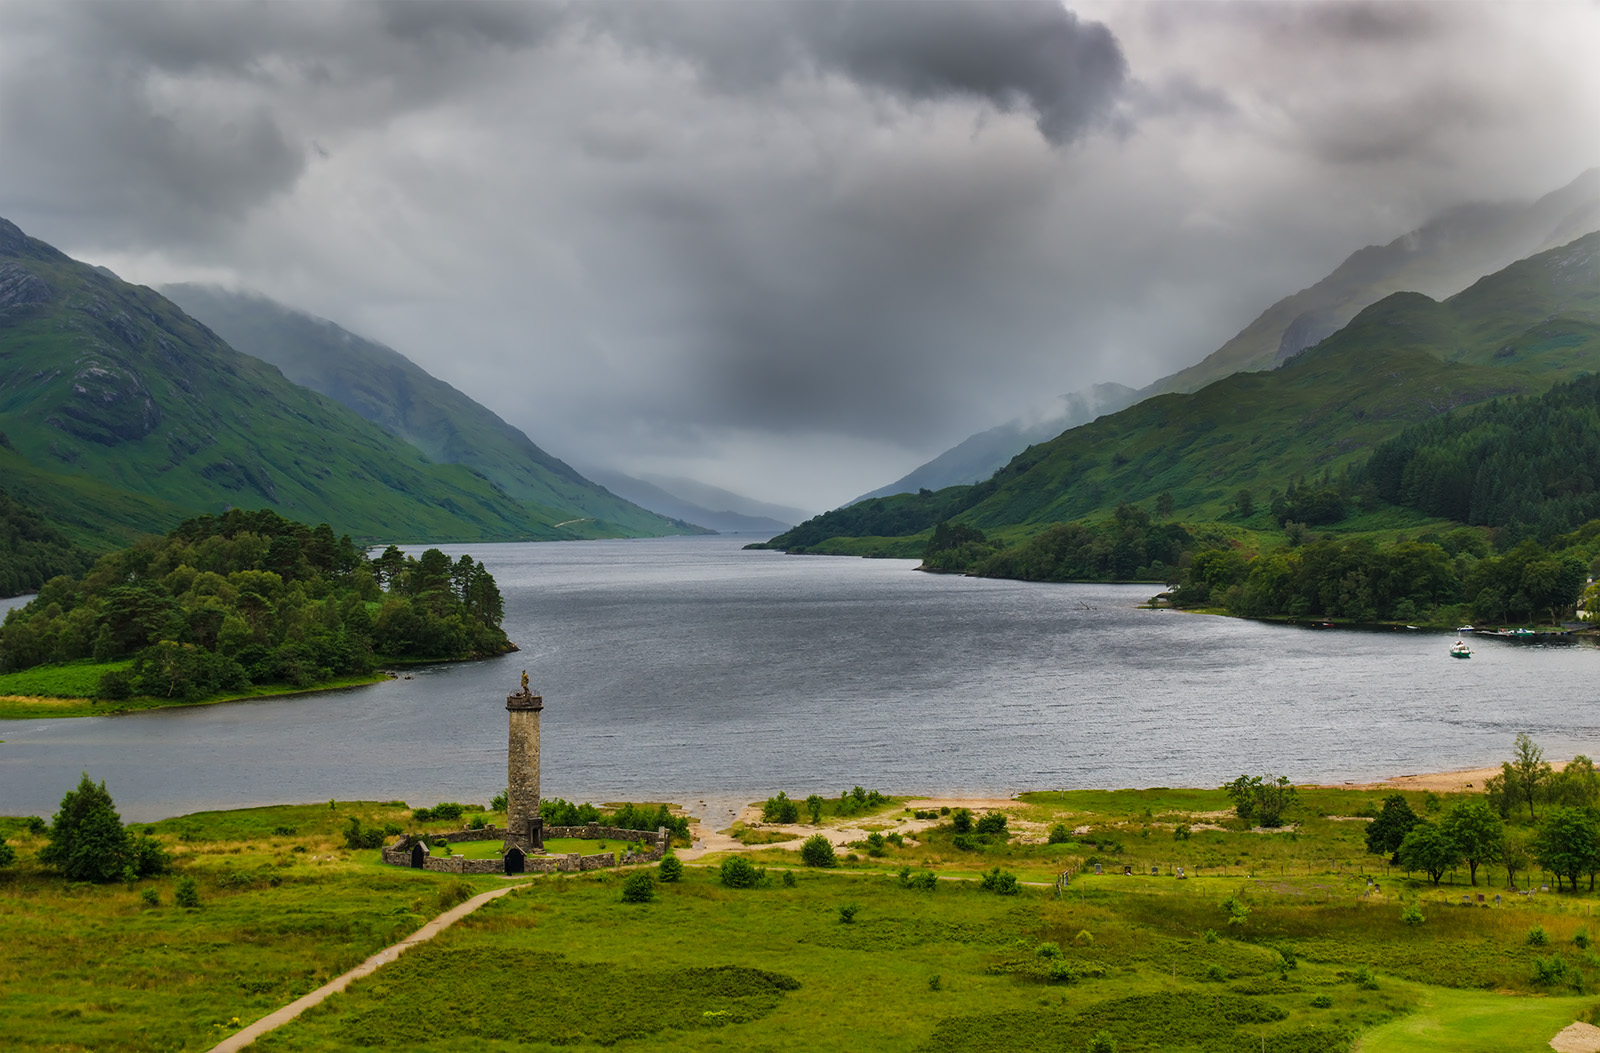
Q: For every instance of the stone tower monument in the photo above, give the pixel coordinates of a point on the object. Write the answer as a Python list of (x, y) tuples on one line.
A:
[(524, 825)]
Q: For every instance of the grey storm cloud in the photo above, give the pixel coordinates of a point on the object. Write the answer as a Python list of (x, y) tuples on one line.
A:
[(740, 235)]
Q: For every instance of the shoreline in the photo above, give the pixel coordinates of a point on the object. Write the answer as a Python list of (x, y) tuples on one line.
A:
[(45, 707)]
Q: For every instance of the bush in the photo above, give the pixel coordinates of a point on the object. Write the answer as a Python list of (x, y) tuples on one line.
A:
[(475, 823), (1211, 936), (780, 809), (150, 898), (1322, 1002), (1364, 979), (1059, 834), (454, 894), (789, 879), (1181, 832), (847, 913), (115, 685), (36, 825), (961, 820), (1049, 949), (1552, 970), (390, 830), (739, 872), (355, 837), (422, 815), (992, 823), (187, 894), (1581, 938), (449, 811), (8, 855), (1216, 975), (967, 843), (1412, 915), (89, 843), (498, 804), (671, 869), (639, 887), (922, 880), (1000, 882), (1101, 1043), (818, 852), (1537, 937)]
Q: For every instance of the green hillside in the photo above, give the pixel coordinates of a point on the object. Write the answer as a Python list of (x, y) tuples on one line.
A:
[(1403, 360), (125, 416), (404, 400)]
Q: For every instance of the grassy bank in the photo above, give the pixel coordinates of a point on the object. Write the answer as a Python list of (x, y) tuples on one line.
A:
[(68, 691), (1303, 957)]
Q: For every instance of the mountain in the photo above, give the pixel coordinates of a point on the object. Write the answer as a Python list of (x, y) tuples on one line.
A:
[(125, 416), (979, 456), (1404, 359), (720, 510), (1442, 257), (404, 400)]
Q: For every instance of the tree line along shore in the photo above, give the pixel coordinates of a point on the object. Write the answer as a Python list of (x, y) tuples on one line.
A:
[(871, 922), (239, 605)]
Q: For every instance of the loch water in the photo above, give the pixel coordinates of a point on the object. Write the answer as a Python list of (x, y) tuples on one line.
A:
[(687, 669)]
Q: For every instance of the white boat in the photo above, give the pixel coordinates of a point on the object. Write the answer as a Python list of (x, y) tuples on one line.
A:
[(1460, 650), (1464, 629)]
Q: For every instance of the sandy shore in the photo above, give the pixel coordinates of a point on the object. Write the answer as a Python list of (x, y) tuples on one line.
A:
[(1464, 781)]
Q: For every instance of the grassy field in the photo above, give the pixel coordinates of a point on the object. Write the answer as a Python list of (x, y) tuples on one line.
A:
[(1303, 958), (67, 690)]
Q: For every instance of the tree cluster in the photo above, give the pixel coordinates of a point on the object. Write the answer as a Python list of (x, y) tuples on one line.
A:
[(1262, 799), (1530, 463), (250, 597), (1129, 546), (32, 551), (89, 843), (1475, 832), (1363, 581)]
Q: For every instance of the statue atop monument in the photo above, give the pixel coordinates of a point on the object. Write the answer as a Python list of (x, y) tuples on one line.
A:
[(524, 681)]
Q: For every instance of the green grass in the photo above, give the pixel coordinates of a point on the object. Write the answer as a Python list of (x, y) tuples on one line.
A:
[(1315, 963), (1449, 1021), (63, 690)]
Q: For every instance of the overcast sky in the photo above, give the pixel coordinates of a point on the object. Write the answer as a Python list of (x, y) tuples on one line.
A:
[(791, 249)]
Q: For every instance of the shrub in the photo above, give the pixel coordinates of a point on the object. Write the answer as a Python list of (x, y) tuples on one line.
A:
[(8, 855), (355, 837), (1049, 949), (454, 894), (1085, 938), (1216, 975), (847, 913), (1237, 910), (150, 897), (36, 825), (1000, 882), (287, 831), (934, 982), (817, 852), (1364, 979), (992, 823), (1059, 835), (1061, 972), (1412, 915), (1580, 938), (88, 841), (475, 823), (420, 815), (789, 880), (967, 843), (780, 809), (814, 804), (1181, 832), (922, 881), (671, 869), (498, 804), (1101, 1043), (739, 872), (1322, 1002), (448, 811), (1552, 970), (1537, 937), (115, 685), (1211, 936), (392, 830), (640, 887), (187, 893), (961, 820)]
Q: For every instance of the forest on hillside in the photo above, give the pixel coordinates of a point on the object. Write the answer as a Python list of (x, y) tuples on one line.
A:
[(249, 597), (1528, 463), (32, 550)]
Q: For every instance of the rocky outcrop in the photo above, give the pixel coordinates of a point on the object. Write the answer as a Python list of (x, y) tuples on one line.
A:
[(19, 287)]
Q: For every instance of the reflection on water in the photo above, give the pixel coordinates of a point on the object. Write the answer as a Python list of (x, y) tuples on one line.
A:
[(686, 668)]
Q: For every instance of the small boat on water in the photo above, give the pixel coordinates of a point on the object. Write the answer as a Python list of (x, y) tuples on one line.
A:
[(1465, 629), (1460, 650)]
